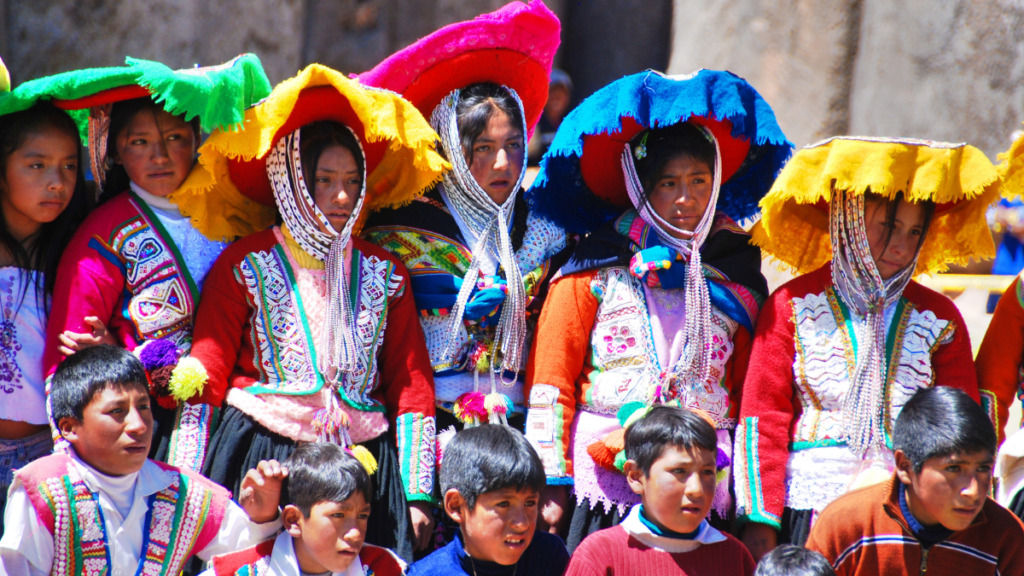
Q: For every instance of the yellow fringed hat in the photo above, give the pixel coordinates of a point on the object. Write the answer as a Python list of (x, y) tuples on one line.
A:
[(1011, 169), (958, 178), (399, 144)]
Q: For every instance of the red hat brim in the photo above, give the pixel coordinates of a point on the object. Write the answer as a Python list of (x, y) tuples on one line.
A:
[(314, 104), (498, 65), (601, 164), (108, 96)]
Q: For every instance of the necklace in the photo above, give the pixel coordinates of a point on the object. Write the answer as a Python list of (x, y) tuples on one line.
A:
[(472, 563)]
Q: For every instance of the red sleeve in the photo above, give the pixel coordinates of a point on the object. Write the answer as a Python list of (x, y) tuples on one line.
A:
[(219, 335), (767, 410), (742, 344), (90, 282), (407, 379), (1001, 355), (560, 348)]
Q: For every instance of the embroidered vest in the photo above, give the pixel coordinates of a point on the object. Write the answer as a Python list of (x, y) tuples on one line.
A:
[(626, 365), (182, 519), (255, 561), (164, 295), (826, 356), (284, 347)]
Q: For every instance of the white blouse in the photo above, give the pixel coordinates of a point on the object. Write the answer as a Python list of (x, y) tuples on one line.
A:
[(22, 338)]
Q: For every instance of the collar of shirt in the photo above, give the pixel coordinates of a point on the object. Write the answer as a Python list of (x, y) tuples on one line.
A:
[(131, 488), (161, 204), (635, 527), (284, 562)]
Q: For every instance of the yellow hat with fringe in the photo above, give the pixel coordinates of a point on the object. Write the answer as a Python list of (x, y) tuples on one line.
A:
[(1011, 169), (958, 178), (231, 180)]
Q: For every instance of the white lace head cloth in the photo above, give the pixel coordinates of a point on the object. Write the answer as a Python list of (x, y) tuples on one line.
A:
[(490, 222), (338, 347), (693, 365), (864, 292)]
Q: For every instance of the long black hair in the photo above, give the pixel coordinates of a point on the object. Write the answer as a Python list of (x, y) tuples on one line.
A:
[(122, 114), (319, 136), (477, 103), (45, 252), (666, 144)]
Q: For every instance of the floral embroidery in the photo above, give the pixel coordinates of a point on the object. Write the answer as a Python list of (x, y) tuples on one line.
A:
[(11, 376), (619, 340)]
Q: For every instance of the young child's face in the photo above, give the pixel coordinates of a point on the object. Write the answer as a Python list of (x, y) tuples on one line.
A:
[(338, 183), (39, 180), (115, 431), (949, 490), (682, 192), (500, 526), (332, 537), (678, 492), (157, 151)]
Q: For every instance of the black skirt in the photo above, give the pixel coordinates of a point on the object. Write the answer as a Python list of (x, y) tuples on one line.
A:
[(796, 526), (163, 427), (240, 443)]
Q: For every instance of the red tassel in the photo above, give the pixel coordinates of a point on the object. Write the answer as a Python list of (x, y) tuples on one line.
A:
[(602, 456)]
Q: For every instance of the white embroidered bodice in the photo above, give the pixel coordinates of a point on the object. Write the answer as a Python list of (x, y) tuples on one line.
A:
[(626, 363)]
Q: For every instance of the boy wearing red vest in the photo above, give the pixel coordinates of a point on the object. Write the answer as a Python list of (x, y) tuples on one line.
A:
[(327, 495), (934, 515), (99, 506)]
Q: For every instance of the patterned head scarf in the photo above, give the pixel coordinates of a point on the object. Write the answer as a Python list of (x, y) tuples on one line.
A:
[(862, 289), (338, 348), (490, 222), (694, 364)]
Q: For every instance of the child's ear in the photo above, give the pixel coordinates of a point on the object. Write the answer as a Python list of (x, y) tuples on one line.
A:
[(453, 505), (634, 476), (290, 516), (904, 467), (68, 428)]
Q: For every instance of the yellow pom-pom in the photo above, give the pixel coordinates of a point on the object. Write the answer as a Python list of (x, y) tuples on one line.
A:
[(5, 78), (188, 379), (365, 458)]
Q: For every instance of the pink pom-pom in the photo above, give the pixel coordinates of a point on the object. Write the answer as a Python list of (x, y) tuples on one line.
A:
[(469, 407)]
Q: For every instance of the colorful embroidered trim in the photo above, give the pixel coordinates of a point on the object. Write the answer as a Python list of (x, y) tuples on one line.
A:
[(750, 497), (416, 435), (193, 427)]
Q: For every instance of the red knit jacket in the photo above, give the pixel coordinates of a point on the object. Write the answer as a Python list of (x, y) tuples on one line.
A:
[(614, 552), (771, 402), (1001, 356), (864, 533)]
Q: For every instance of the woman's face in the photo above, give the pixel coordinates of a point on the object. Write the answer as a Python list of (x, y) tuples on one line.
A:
[(337, 185), (907, 230), (681, 193), (498, 156), (38, 181), (157, 150)]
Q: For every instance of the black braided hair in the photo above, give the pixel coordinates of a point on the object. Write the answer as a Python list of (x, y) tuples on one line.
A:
[(522, 211)]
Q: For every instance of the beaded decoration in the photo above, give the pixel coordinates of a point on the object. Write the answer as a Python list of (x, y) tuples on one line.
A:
[(863, 290), (695, 361), (489, 221)]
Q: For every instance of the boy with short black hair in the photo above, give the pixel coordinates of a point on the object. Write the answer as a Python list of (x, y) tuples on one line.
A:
[(790, 560), (327, 504), (934, 514), (100, 506), (672, 464), (491, 480)]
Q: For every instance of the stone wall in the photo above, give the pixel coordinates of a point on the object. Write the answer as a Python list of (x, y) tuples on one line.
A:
[(950, 70)]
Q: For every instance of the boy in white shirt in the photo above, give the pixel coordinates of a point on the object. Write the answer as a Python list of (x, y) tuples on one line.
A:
[(100, 506)]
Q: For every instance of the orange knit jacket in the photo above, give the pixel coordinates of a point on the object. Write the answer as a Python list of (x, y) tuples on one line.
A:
[(864, 533), (1001, 356)]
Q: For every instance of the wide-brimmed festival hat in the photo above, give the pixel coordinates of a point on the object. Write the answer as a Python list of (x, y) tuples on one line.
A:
[(958, 178), (218, 95), (581, 184), (1011, 169), (398, 143), (513, 47)]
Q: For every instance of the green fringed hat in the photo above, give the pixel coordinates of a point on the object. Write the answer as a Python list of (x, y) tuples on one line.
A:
[(217, 95)]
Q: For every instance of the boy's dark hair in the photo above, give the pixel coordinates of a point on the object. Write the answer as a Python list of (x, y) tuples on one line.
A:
[(487, 458), (53, 237), (942, 421), (790, 560), (647, 438), (322, 472), (316, 137), (87, 372), (122, 114), (666, 144)]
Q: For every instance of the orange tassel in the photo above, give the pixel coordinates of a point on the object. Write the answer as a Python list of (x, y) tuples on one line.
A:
[(602, 456), (616, 440)]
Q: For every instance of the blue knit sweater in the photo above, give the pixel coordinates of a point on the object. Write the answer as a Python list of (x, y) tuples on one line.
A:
[(546, 556)]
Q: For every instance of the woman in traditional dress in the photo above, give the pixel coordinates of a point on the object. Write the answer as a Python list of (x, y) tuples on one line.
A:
[(479, 257), (134, 270), (657, 304), (306, 332), (840, 349)]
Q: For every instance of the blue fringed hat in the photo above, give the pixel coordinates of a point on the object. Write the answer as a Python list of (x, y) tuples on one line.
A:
[(581, 184)]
